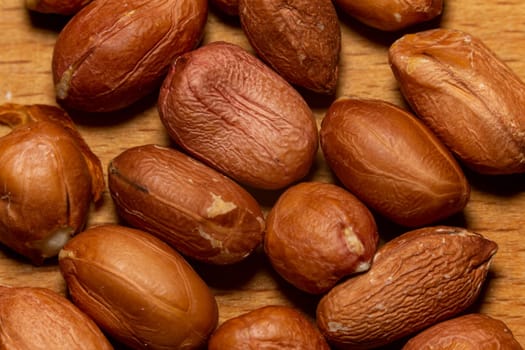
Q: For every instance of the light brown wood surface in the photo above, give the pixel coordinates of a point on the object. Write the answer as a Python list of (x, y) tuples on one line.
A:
[(497, 204)]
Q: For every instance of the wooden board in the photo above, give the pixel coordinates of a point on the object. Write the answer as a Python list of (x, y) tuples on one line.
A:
[(497, 203)]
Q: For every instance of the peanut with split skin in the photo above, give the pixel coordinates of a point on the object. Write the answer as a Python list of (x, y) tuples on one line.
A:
[(48, 179), (197, 210)]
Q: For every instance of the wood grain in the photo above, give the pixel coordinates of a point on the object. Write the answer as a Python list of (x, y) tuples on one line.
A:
[(495, 210)]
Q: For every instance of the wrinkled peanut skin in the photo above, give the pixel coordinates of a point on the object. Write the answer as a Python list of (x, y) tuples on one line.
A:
[(318, 233), (466, 95), (231, 111), (268, 327), (60, 7), (300, 39), (197, 210), (392, 15), (38, 318), (392, 162), (417, 279), (48, 179), (112, 53), (138, 289), (467, 332)]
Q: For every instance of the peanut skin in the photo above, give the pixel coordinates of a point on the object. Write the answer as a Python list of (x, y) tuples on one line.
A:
[(231, 111), (317, 233), (300, 39), (268, 327), (417, 279), (138, 289), (392, 162), (197, 210), (112, 53), (467, 332), (392, 15), (468, 96)]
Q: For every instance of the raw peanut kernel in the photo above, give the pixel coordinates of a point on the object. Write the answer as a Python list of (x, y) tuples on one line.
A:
[(234, 113), (466, 95), (318, 233), (113, 52), (416, 280), (392, 162), (300, 39)]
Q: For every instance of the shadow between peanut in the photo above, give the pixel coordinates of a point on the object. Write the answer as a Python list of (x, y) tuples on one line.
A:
[(47, 21)]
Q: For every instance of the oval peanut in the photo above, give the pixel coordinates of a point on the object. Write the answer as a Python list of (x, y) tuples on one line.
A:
[(392, 162), (229, 110), (138, 289), (317, 233), (197, 210), (113, 53), (417, 279), (467, 95)]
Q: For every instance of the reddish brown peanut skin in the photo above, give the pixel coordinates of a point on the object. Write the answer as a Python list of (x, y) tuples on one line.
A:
[(466, 95), (60, 7), (468, 332), (197, 210), (417, 279), (318, 233), (300, 39), (268, 327), (138, 289), (228, 7), (392, 15), (231, 111), (112, 53), (48, 179), (392, 162), (40, 319)]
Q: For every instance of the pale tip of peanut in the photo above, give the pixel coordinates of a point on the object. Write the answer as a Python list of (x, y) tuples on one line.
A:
[(363, 266), (352, 241), (62, 87), (398, 17), (66, 254)]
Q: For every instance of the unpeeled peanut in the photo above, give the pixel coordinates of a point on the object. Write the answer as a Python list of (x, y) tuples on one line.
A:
[(138, 289)]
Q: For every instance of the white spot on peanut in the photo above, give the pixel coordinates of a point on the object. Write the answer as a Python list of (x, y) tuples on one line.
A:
[(320, 26), (65, 254), (213, 242), (398, 17), (352, 241), (62, 87), (379, 307), (219, 206), (8, 96), (336, 327), (363, 266)]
